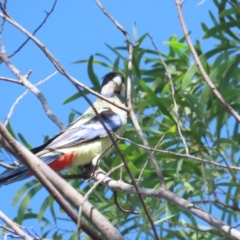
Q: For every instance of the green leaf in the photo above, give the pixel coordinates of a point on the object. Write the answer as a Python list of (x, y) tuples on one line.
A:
[(48, 200), (25, 202), (204, 27), (71, 117), (22, 190), (135, 35), (94, 62), (104, 57), (78, 95), (223, 27), (72, 98), (24, 141), (177, 45), (115, 51), (228, 184), (227, 12), (155, 99), (10, 130), (74, 236), (187, 80), (92, 76), (116, 64), (189, 188)]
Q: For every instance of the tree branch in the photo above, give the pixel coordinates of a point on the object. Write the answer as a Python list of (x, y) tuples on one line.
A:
[(10, 80), (171, 197), (14, 226), (23, 80), (199, 64), (22, 95), (42, 171)]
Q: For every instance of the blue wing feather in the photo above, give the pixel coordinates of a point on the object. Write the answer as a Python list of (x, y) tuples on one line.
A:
[(88, 131)]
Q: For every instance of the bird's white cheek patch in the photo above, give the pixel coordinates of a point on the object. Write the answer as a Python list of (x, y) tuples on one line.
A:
[(117, 80)]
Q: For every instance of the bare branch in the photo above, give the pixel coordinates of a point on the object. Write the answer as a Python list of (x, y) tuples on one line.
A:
[(200, 67), (3, 22), (88, 230), (22, 95), (65, 206), (23, 80), (6, 166), (146, 163), (10, 80), (233, 207), (14, 226)]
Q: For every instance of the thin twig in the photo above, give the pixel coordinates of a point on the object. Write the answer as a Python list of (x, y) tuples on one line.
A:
[(31, 87), (200, 66), (96, 163), (218, 201), (173, 95), (121, 208), (22, 95), (201, 3), (234, 6), (146, 163), (14, 226), (94, 186), (10, 80), (35, 31), (3, 22), (7, 166)]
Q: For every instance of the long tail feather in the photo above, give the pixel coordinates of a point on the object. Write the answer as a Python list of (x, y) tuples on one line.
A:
[(17, 174), (23, 172)]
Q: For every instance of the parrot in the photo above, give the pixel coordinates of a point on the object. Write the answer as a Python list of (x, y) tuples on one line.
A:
[(85, 140)]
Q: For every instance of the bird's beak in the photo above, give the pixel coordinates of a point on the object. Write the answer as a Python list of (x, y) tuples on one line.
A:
[(118, 80)]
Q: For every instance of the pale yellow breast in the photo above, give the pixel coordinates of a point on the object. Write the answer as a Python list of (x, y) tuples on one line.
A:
[(87, 152)]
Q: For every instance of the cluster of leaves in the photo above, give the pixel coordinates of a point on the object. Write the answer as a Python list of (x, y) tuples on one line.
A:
[(209, 130)]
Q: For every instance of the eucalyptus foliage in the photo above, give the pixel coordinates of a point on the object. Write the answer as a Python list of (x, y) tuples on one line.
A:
[(210, 133)]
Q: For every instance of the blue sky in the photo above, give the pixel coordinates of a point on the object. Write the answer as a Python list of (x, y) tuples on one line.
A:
[(74, 31)]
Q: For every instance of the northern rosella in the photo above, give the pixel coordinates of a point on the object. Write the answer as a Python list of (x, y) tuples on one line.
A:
[(85, 140)]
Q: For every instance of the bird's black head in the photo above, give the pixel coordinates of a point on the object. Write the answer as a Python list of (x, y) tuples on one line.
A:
[(113, 85)]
